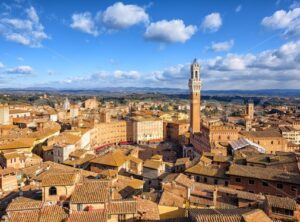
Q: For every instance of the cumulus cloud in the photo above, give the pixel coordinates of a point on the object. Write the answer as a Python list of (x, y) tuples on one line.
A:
[(222, 46), (115, 17), (84, 22), (126, 74), (28, 31), (212, 22), (169, 31), (288, 21), (24, 70), (120, 16)]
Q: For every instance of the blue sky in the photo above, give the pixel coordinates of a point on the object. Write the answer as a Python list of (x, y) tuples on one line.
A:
[(251, 44)]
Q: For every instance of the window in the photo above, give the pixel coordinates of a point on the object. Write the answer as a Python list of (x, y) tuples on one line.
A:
[(216, 181), (265, 184), (251, 182), (205, 180), (238, 180), (293, 188), (52, 191), (279, 185), (79, 207), (122, 217)]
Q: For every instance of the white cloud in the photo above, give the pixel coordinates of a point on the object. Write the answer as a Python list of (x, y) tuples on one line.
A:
[(212, 22), (126, 74), (288, 21), (32, 15), (21, 59), (222, 46), (120, 16), (238, 8), (20, 70), (28, 31), (1, 65), (84, 22), (170, 31)]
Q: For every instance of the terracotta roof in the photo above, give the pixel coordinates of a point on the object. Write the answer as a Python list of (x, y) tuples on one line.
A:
[(122, 207), (60, 179), (184, 180), (221, 215), (115, 159), (256, 215), (170, 199), (241, 194), (265, 174), (134, 159), (181, 161), (263, 133), (281, 202), (78, 153), (52, 214), (23, 203), (67, 138), (131, 182), (91, 192), (80, 161), (152, 164), (147, 209), (88, 216), (269, 159), (211, 171), (108, 173), (19, 143), (25, 216), (47, 148), (39, 171)]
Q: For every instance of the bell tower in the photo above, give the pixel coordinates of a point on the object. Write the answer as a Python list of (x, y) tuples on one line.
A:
[(195, 87)]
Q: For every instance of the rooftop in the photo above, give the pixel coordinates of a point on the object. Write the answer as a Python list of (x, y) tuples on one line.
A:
[(265, 174), (91, 192)]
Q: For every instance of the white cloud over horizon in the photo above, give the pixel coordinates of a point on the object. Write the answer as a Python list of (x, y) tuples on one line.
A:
[(275, 68), (23, 70)]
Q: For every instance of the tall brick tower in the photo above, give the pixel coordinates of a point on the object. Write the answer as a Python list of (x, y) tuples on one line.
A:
[(250, 110), (195, 87)]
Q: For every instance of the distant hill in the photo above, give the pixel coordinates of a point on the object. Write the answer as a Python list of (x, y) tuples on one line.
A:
[(137, 90)]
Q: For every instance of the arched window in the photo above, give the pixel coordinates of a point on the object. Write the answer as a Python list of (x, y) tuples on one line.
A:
[(52, 191)]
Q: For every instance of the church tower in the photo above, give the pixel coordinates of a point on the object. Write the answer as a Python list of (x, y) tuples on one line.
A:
[(195, 87)]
